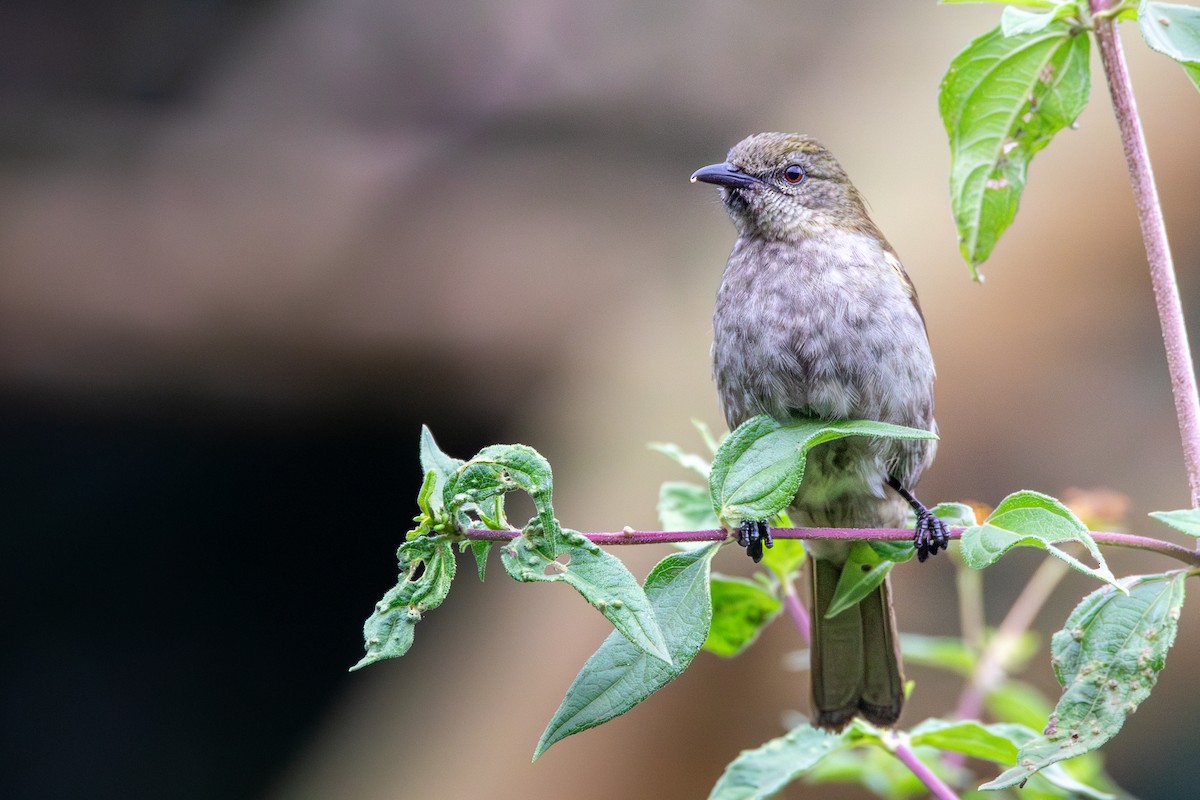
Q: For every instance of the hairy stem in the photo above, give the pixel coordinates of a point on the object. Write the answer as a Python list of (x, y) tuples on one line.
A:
[(630, 536), (1154, 234), (899, 747)]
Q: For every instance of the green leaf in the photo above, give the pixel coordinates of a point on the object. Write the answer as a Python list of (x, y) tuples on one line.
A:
[(946, 652), (1019, 702), (618, 676), (1031, 519), (426, 570), (759, 773), (956, 515), (740, 610), (759, 466), (1016, 21), (1185, 520), (1001, 101), (989, 742), (442, 466), (863, 572), (676, 453), (1174, 31), (599, 576), (784, 559), (1107, 658), (480, 550), (498, 469), (685, 507)]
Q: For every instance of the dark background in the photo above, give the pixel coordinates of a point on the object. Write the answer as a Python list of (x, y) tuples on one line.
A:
[(247, 249)]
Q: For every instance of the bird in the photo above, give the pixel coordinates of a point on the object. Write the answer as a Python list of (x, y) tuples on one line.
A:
[(816, 317)]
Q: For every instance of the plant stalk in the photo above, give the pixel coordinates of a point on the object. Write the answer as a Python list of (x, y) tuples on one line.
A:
[(937, 787), (1154, 235), (630, 536)]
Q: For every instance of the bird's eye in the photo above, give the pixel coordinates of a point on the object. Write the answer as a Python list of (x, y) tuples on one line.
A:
[(793, 173)]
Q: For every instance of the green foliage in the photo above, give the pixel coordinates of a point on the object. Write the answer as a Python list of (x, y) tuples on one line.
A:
[(1031, 519), (599, 576), (740, 610), (1003, 99), (865, 569), (618, 676), (1186, 520), (1174, 31), (758, 468), (1107, 659)]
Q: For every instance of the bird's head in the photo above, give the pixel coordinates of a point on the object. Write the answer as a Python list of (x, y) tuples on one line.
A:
[(786, 187)]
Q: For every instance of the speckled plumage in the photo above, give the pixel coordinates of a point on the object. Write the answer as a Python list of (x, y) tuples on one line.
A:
[(815, 316)]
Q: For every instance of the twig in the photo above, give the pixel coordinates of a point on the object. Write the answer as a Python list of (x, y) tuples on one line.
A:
[(798, 612), (1154, 234), (630, 536)]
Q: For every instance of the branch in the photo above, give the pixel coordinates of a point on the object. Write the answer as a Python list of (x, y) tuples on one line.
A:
[(630, 536), (1154, 235)]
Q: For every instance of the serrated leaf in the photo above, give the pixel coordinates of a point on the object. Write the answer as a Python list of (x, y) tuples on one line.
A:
[(1173, 30), (618, 676), (740, 610), (759, 466), (1185, 520), (1031, 519), (426, 570), (996, 743), (600, 577), (686, 460), (496, 470), (863, 572), (759, 773), (1107, 658), (1002, 100), (441, 465), (685, 507)]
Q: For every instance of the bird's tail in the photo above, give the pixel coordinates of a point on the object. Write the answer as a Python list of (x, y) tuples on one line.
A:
[(855, 655)]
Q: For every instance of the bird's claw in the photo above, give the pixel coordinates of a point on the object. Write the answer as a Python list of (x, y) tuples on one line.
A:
[(931, 535), (752, 535)]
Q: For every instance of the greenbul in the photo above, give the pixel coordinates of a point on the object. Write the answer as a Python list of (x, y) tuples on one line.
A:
[(816, 317)]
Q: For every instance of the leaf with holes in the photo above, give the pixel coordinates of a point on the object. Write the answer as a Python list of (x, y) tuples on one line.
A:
[(496, 470), (618, 676), (1107, 659), (600, 577), (426, 570), (758, 468), (1002, 100)]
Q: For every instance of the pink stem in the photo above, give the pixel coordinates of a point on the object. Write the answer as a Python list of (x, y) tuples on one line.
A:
[(1154, 234)]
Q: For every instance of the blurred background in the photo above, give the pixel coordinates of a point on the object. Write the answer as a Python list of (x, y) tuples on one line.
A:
[(248, 248)]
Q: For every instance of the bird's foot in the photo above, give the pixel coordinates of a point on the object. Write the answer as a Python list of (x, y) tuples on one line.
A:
[(752, 535), (930, 535)]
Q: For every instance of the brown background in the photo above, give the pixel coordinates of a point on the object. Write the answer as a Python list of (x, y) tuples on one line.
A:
[(247, 249)]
